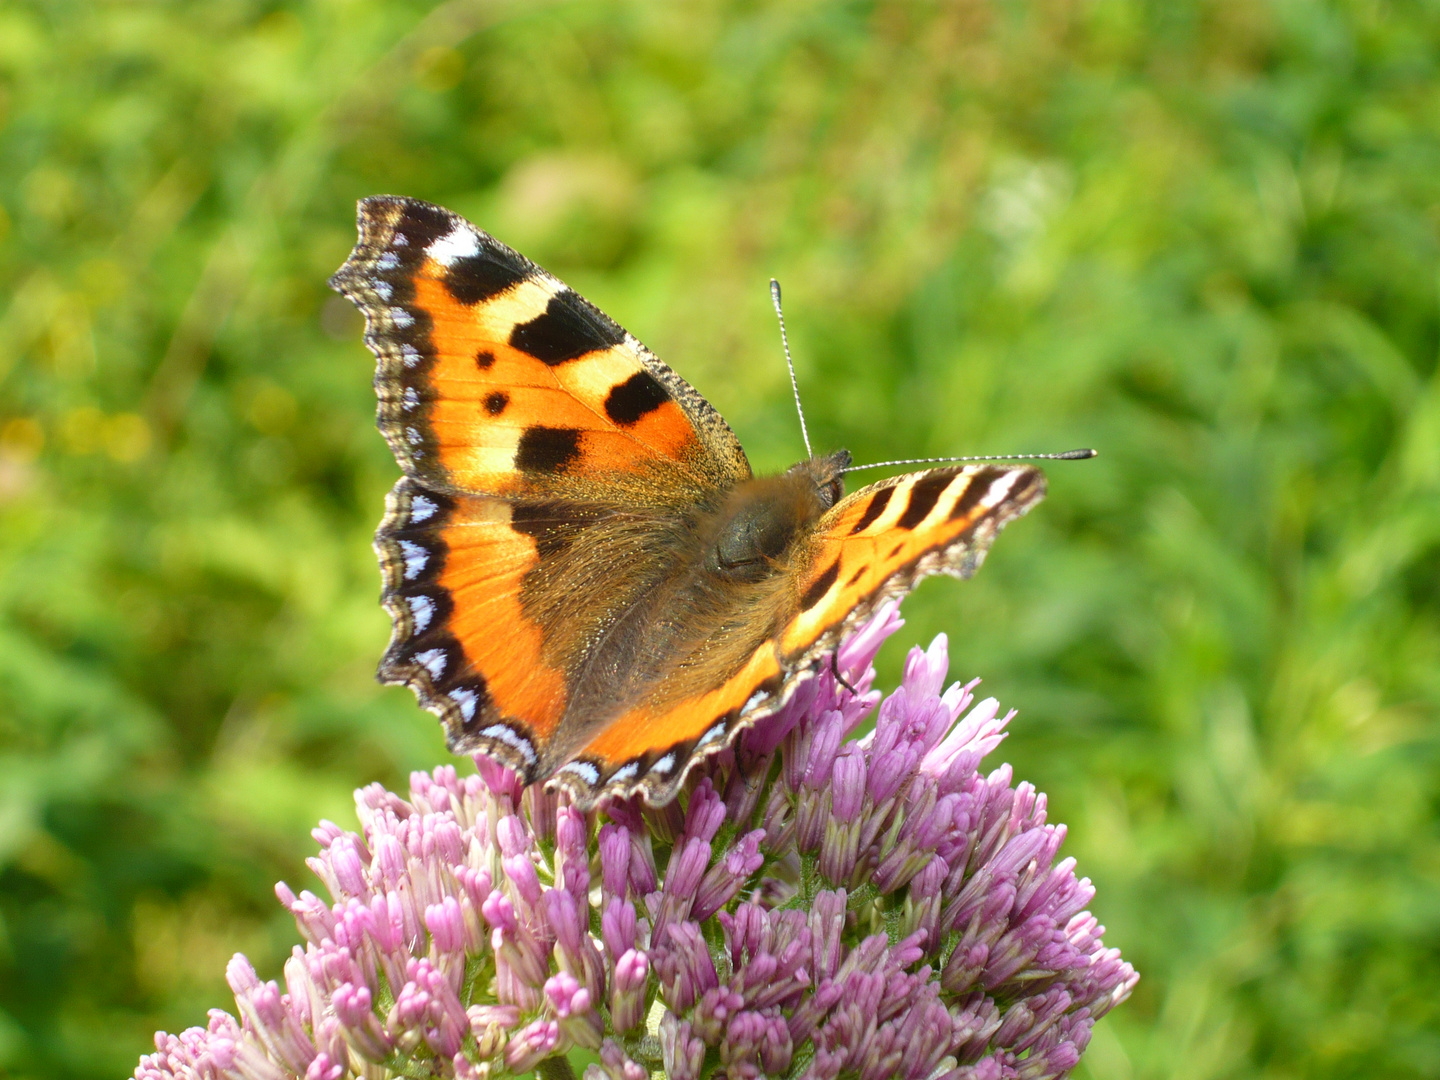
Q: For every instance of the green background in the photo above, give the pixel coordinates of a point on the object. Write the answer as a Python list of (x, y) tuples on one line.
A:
[(1201, 236)]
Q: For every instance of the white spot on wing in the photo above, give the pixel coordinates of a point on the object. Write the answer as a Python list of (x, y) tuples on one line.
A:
[(755, 699), (433, 661), (421, 508), (401, 318), (459, 243), (467, 700), (710, 736), (416, 556), (624, 774), (399, 239), (525, 301), (409, 355), (510, 737), (413, 434), (411, 398), (582, 769), (999, 489), (388, 261), (422, 610), (382, 289), (664, 765)]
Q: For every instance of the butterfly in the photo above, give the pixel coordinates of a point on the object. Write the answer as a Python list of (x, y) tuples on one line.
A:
[(586, 581)]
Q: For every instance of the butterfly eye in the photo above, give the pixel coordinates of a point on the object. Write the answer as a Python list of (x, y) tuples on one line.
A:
[(828, 473)]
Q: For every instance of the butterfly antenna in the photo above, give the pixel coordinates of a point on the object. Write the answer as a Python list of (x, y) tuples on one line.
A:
[(785, 341), (1068, 455)]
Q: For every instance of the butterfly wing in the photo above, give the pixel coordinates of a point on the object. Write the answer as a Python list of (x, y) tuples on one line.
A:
[(877, 543), (870, 547), (523, 419), (495, 378)]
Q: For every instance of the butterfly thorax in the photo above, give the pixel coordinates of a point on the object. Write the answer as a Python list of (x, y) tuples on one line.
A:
[(748, 537)]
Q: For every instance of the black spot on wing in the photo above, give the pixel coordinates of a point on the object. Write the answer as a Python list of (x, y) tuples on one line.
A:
[(630, 400), (484, 359), (476, 278), (547, 449), (567, 330), (878, 502), (924, 494), (495, 402), (970, 498), (820, 586)]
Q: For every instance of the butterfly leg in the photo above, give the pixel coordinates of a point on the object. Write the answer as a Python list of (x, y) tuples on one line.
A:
[(835, 669)]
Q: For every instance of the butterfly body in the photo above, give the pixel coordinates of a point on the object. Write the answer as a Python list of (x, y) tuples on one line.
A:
[(586, 581)]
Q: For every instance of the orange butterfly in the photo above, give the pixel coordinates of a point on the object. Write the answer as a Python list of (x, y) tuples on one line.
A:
[(586, 580)]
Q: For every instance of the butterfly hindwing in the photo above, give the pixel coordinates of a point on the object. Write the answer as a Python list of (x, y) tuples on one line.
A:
[(454, 568), (873, 546)]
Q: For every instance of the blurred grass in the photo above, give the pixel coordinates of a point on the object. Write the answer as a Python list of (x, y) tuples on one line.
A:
[(1201, 236)]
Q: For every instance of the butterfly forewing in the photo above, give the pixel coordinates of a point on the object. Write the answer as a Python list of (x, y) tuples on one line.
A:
[(523, 418), (877, 543), (495, 378)]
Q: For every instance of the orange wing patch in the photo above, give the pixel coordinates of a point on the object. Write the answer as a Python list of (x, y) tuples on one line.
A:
[(507, 420), (453, 571), (647, 731), (496, 378)]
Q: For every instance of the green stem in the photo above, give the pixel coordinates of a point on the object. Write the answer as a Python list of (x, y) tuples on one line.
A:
[(555, 1068)]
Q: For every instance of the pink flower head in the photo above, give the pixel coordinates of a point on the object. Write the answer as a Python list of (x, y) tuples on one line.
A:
[(478, 928)]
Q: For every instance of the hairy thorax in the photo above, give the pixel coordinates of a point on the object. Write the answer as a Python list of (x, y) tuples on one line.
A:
[(747, 539)]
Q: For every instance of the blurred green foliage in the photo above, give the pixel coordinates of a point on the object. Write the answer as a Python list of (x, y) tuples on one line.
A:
[(1201, 236)]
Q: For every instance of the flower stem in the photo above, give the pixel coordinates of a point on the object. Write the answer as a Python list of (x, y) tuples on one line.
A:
[(556, 1068)]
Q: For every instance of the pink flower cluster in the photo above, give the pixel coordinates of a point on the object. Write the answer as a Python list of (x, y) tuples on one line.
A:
[(812, 905)]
